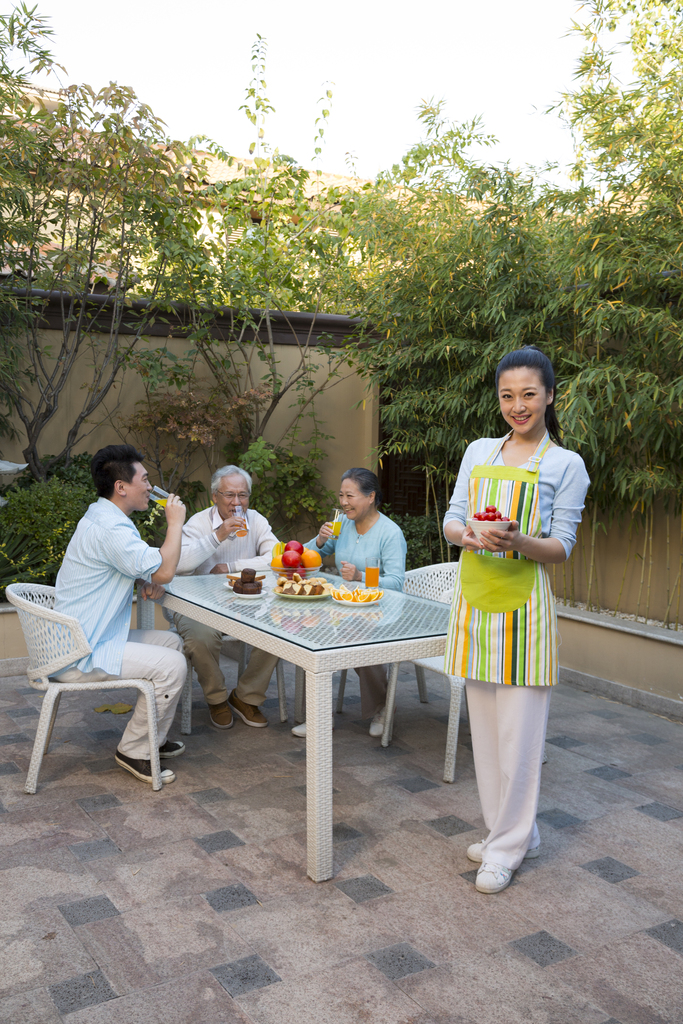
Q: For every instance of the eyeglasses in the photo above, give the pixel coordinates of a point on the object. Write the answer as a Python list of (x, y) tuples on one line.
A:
[(230, 495)]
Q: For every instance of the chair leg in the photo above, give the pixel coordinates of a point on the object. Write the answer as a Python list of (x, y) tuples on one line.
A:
[(43, 732), (186, 702), (281, 692), (148, 690), (390, 705), (457, 687), (53, 717), (421, 684), (340, 694), (300, 695)]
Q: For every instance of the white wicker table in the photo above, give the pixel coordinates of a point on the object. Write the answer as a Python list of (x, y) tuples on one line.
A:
[(320, 637)]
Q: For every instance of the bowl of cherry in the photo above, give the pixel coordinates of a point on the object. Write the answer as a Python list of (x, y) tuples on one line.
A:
[(489, 519)]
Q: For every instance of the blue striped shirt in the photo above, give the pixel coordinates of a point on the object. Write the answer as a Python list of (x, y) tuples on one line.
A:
[(105, 556)]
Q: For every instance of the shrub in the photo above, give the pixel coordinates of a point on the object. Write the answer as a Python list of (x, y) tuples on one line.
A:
[(426, 544)]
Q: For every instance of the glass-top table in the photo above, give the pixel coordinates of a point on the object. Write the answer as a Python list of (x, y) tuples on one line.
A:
[(319, 637)]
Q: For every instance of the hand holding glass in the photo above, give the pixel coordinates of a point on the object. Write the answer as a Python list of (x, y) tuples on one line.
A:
[(336, 521), (159, 495)]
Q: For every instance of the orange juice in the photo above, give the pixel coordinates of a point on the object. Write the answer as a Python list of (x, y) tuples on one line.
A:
[(336, 527), (160, 501), (372, 576)]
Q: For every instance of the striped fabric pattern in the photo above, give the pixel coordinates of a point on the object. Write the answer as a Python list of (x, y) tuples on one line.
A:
[(517, 648)]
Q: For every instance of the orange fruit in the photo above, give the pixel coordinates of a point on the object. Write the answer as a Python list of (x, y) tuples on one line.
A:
[(279, 549), (277, 562), (346, 596), (311, 559)]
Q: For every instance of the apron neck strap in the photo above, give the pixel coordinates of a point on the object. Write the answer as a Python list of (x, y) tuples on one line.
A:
[(533, 462)]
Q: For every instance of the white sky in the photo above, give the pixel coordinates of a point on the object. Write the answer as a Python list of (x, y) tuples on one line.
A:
[(191, 61)]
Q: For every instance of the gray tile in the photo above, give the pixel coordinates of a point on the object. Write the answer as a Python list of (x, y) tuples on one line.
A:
[(679, 767), (244, 975), (23, 713), (450, 825), (390, 751), (84, 990), (107, 734), (210, 796), (610, 870), (102, 764), (94, 849), (295, 756), (366, 887), (660, 811), (670, 933), (608, 773), (470, 876), (605, 713), (93, 908), (203, 730), (202, 760), (558, 818), (399, 961), (543, 948), (215, 841), (9, 768), (416, 784), (14, 737), (3, 809), (341, 832), (23, 690), (99, 803), (566, 742), (647, 738), (302, 790), (271, 702), (351, 698), (230, 897)]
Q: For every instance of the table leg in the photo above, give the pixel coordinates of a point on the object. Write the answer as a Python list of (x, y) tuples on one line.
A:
[(319, 774)]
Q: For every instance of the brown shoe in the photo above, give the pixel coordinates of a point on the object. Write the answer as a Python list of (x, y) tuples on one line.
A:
[(221, 715), (249, 713)]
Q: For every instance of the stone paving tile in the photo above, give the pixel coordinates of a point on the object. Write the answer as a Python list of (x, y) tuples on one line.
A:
[(367, 887), (10, 739), (450, 825), (566, 742), (647, 738), (608, 773), (342, 833), (93, 908), (670, 933), (245, 975), (216, 841), (18, 713), (543, 948), (210, 796), (230, 897), (610, 870), (660, 811), (31, 1007), (416, 784), (93, 850), (558, 818), (9, 768), (97, 803), (399, 961), (81, 991)]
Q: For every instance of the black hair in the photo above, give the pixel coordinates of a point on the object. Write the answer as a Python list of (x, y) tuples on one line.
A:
[(366, 481), (115, 462), (532, 358)]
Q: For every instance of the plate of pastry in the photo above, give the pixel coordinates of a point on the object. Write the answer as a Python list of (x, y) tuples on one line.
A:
[(247, 586), (314, 588)]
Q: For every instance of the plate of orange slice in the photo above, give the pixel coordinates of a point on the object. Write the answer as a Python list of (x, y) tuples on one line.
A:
[(359, 597)]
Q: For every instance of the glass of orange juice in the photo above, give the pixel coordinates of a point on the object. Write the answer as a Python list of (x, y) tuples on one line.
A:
[(372, 573), (243, 529), (336, 521), (159, 495)]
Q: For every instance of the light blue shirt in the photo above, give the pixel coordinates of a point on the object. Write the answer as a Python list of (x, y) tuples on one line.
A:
[(384, 540), (105, 556), (562, 485)]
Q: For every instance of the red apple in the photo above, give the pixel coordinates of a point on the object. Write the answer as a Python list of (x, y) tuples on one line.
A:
[(293, 545), (291, 559)]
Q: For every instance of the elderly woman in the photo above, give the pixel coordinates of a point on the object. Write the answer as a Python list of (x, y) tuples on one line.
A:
[(365, 534), (215, 541)]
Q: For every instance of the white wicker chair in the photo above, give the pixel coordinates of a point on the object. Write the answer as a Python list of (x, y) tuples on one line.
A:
[(55, 641)]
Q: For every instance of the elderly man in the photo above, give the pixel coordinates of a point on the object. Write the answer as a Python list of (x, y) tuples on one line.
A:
[(214, 541)]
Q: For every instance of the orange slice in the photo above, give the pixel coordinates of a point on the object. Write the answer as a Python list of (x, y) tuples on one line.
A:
[(346, 596), (364, 596)]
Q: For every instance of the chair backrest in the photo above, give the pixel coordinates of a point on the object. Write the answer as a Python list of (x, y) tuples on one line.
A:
[(53, 640), (435, 582)]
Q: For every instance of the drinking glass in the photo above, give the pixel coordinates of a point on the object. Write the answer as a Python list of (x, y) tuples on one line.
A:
[(159, 495), (336, 521), (243, 529), (372, 573)]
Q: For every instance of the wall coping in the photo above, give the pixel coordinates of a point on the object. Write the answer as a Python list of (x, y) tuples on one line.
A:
[(607, 621)]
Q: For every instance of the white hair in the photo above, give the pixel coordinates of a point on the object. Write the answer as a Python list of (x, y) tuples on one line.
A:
[(229, 471)]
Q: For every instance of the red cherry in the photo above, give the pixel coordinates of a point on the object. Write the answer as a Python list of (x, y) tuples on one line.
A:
[(490, 518), (291, 559), (479, 516), (294, 545), (498, 515), (504, 519), (491, 508)]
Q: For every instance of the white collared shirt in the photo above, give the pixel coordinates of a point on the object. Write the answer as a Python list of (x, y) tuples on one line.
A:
[(201, 549)]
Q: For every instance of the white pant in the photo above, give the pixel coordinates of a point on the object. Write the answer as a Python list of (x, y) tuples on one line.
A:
[(508, 726), (154, 654)]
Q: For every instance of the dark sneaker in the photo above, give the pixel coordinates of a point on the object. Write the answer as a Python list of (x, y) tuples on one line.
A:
[(221, 715), (172, 748), (142, 770), (249, 713)]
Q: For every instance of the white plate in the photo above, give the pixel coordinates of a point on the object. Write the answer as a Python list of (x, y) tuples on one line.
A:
[(303, 597), (358, 604), (245, 597)]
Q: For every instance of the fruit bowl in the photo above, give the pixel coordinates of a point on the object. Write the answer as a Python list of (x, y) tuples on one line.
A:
[(302, 571), (478, 527)]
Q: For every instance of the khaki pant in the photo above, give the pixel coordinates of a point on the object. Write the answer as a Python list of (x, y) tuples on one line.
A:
[(373, 689), (203, 647)]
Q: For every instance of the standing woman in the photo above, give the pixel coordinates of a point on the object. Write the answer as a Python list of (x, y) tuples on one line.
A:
[(365, 533), (503, 631)]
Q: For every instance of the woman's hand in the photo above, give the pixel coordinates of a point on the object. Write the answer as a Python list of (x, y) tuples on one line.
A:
[(324, 534), (469, 540), (502, 540), (350, 573)]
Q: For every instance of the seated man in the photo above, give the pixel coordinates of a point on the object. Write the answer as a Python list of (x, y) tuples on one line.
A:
[(105, 556), (211, 544)]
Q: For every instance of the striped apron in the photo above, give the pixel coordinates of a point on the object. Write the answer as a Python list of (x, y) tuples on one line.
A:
[(503, 624)]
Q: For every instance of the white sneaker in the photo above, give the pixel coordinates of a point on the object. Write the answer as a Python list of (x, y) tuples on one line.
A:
[(474, 852), (492, 878), (377, 724), (299, 730)]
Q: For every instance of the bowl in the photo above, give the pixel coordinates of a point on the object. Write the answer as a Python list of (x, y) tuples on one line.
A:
[(303, 571), (478, 527)]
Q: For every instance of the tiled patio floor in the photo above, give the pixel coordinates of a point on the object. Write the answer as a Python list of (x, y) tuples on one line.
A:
[(192, 906)]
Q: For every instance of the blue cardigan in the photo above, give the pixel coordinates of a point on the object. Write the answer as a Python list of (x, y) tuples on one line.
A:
[(384, 540)]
